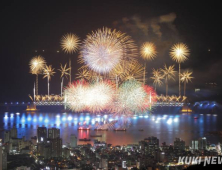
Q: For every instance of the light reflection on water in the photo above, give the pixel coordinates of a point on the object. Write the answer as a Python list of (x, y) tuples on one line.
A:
[(164, 126)]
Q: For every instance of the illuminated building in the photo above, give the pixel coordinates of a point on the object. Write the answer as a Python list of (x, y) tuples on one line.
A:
[(53, 133), (6, 136), (3, 158), (195, 144), (10, 134), (13, 132), (202, 143), (73, 141), (41, 134), (56, 147), (179, 144)]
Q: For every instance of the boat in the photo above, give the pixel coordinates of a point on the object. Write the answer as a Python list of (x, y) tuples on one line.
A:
[(85, 139), (31, 108), (186, 109), (119, 129), (95, 135), (82, 128), (101, 129)]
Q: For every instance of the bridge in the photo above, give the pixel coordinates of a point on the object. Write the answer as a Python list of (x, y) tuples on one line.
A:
[(62, 103)]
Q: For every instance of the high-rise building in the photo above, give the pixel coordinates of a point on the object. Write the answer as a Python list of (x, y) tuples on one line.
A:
[(195, 144), (13, 132), (6, 136), (73, 141), (3, 158), (41, 134), (179, 144), (53, 133), (56, 147), (202, 143), (151, 144)]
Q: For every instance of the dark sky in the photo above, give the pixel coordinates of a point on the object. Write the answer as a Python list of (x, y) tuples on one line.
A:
[(39, 25)]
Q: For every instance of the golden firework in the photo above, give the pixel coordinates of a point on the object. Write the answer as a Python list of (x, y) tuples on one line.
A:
[(168, 73), (157, 77), (179, 52), (64, 70), (186, 76), (37, 64), (70, 43), (48, 71), (148, 51), (83, 73), (134, 71)]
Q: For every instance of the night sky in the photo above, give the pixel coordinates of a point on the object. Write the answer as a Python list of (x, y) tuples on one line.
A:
[(29, 26)]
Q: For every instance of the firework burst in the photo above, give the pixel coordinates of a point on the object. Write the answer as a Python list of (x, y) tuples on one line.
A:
[(70, 43), (148, 51), (37, 64), (134, 71), (75, 95), (168, 74), (100, 96), (96, 97), (64, 70), (131, 96), (186, 76), (157, 77), (102, 50), (179, 52), (48, 72)]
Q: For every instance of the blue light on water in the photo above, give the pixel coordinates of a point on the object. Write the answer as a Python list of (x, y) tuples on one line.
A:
[(17, 113), (57, 116), (40, 118), (146, 116), (110, 119), (175, 119), (105, 116), (70, 118), (34, 120), (29, 118), (169, 121), (46, 120), (63, 119), (87, 118)]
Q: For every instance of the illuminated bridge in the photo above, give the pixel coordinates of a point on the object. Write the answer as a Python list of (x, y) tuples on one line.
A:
[(59, 103), (63, 103)]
